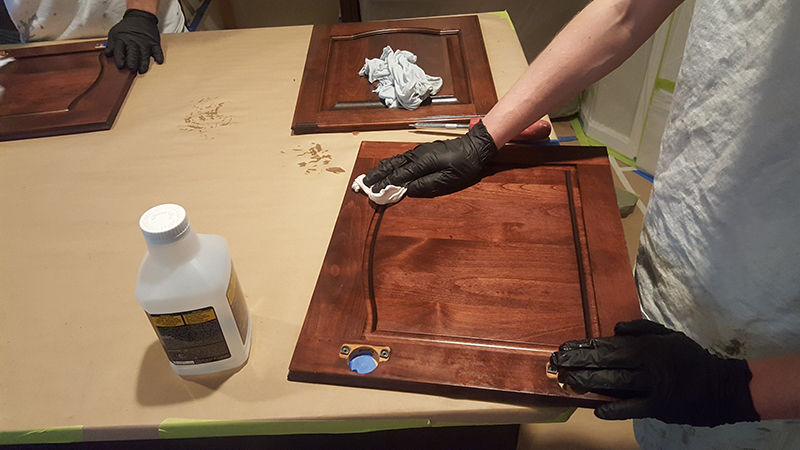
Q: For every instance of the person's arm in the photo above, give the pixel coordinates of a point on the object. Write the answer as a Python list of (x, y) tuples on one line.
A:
[(150, 6), (136, 37), (593, 44), (598, 40), (775, 387)]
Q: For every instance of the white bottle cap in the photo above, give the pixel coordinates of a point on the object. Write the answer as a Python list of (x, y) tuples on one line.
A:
[(164, 224)]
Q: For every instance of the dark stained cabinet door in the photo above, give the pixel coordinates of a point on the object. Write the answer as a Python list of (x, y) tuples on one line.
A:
[(333, 97), (60, 89), (468, 294)]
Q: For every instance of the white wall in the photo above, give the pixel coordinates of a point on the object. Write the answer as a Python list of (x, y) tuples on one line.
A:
[(628, 109)]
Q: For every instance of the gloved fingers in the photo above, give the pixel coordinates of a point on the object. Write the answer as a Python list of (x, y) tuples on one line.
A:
[(376, 177), (599, 353), (144, 59), (132, 57), (574, 345), (640, 327), (119, 53), (635, 408), (425, 159), (608, 382), (109, 51), (158, 53), (437, 183)]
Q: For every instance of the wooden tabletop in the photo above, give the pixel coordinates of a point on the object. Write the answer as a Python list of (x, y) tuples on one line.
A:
[(209, 130)]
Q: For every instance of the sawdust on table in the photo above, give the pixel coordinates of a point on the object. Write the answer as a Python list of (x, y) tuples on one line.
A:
[(206, 118), (316, 160)]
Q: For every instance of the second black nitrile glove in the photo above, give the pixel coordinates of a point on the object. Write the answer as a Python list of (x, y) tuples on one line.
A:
[(658, 373), (134, 40), (436, 168)]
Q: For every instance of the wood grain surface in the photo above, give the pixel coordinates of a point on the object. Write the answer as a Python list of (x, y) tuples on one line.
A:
[(333, 97), (472, 291), (60, 89)]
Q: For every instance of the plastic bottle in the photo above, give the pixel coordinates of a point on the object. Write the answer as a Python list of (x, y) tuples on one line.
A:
[(190, 292)]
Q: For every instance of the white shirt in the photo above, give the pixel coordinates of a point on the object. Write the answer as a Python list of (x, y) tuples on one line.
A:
[(719, 255), (48, 20)]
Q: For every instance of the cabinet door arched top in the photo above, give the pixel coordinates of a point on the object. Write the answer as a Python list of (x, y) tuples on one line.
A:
[(333, 97)]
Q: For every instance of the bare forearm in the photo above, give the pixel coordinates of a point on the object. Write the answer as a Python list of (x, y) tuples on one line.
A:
[(150, 6), (595, 42), (775, 387)]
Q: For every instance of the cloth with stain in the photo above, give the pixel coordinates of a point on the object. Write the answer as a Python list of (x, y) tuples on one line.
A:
[(52, 20), (401, 82), (718, 256), (387, 196)]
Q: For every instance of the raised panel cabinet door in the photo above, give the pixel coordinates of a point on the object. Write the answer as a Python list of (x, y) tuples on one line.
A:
[(333, 97), (469, 293), (60, 89)]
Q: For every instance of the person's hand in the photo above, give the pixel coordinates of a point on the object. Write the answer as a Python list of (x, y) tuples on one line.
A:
[(658, 373), (436, 168), (134, 40)]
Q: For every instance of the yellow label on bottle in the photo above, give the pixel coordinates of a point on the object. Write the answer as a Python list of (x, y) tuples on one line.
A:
[(205, 315), (238, 306), (191, 337), (168, 320)]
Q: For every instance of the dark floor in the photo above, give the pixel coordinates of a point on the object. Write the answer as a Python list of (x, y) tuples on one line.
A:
[(456, 438)]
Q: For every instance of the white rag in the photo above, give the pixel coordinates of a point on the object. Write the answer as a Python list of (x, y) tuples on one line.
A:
[(401, 82), (387, 196)]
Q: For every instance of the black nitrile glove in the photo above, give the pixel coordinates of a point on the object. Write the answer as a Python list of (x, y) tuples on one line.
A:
[(436, 168), (658, 373), (134, 40)]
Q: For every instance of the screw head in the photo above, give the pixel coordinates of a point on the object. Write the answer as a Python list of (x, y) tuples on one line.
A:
[(384, 353), (345, 350)]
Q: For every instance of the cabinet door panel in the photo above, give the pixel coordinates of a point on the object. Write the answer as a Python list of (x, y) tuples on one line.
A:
[(60, 89), (333, 97), (468, 294)]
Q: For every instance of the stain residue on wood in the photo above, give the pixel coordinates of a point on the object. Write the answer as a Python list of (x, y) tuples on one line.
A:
[(206, 117), (315, 159)]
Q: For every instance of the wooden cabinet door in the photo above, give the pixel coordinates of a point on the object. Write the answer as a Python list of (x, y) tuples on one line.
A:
[(60, 89), (333, 97), (468, 294)]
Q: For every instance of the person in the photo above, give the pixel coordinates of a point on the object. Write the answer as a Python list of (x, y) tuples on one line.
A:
[(133, 27), (715, 363)]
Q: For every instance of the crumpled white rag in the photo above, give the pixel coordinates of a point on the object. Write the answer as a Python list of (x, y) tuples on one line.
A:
[(401, 82), (388, 195)]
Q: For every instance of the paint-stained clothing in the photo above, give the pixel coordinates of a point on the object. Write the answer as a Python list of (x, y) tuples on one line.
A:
[(49, 20), (719, 256)]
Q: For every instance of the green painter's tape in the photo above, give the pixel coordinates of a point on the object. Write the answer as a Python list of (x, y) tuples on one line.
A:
[(459, 424), (505, 14), (62, 435), (189, 428), (563, 417), (586, 140), (665, 84)]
